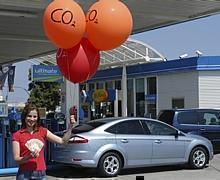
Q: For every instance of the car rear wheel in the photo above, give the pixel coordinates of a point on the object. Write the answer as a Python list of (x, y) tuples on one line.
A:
[(198, 158), (110, 164)]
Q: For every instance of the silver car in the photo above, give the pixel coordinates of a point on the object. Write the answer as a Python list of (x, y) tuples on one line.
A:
[(114, 143)]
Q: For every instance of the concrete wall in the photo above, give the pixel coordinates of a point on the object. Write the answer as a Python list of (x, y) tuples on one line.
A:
[(177, 85)]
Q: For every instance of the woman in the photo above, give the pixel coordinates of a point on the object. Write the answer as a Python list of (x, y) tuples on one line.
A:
[(28, 144)]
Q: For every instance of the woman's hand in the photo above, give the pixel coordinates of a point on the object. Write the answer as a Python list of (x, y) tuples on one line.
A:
[(72, 121), (35, 153)]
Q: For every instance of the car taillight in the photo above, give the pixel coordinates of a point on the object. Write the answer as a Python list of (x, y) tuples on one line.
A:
[(77, 140)]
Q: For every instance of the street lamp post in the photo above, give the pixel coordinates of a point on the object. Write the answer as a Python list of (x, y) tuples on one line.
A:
[(18, 87), (23, 89)]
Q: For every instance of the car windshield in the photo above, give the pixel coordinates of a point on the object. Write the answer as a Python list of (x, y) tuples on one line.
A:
[(88, 126), (166, 116)]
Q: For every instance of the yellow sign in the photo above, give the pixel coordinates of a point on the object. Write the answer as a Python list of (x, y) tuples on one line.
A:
[(100, 95)]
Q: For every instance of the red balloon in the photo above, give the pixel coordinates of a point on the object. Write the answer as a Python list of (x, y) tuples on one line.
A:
[(94, 66), (64, 23), (92, 55), (79, 63), (108, 24)]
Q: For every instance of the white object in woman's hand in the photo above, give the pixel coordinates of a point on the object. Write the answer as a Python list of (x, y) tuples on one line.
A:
[(35, 153), (72, 119)]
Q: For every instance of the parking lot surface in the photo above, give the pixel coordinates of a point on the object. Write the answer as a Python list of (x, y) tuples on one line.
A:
[(211, 172)]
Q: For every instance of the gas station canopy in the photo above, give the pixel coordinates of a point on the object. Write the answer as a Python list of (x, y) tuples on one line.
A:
[(131, 52), (22, 36)]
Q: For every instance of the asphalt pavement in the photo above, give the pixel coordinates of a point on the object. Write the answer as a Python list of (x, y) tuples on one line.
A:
[(211, 172)]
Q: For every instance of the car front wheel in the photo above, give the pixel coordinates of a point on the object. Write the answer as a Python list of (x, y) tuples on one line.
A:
[(198, 158), (110, 164)]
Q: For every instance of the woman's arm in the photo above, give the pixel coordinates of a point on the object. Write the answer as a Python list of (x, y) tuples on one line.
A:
[(64, 140), (16, 154)]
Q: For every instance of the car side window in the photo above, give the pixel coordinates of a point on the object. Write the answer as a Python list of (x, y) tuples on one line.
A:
[(111, 129), (209, 118), (157, 128), (166, 116), (187, 117), (129, 127)]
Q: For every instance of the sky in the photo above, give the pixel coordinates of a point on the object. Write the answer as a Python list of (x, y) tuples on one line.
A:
[(21, 83), (172, 41)]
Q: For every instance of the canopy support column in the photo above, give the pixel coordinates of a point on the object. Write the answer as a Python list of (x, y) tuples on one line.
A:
[(124, 92)]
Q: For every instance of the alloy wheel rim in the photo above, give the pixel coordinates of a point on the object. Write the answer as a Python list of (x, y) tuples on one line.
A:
[(199, 158), (111, 165)]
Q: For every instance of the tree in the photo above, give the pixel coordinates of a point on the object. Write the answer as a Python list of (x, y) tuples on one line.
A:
[(45, 94)]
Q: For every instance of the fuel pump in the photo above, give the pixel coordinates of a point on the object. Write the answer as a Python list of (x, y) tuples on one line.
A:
[(12, 124), (57, 124), (4, 134), (60, 119)]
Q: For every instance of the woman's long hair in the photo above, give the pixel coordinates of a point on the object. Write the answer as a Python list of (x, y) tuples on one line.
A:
[(27, 109)]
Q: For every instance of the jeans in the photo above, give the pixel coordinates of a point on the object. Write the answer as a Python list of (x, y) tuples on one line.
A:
[(31, 175)]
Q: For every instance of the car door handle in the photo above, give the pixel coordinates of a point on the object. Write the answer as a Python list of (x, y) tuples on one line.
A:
[(124, 141), (157, 141), (202, 129)]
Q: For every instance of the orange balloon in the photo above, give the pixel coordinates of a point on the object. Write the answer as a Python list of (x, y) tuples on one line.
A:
[(108, 24), (64, 23)]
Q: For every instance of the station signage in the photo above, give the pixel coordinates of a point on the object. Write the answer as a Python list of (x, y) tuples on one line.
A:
[(151, 99), (42, 73), (100, 95)]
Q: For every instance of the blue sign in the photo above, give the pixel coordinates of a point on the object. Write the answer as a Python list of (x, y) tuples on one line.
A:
[(111, 94), (42, 73), (151, 99)]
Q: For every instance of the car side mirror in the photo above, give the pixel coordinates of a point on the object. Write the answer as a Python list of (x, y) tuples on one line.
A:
[(177, 133)]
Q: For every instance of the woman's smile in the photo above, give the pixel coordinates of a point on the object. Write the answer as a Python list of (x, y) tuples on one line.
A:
[(31, 118)]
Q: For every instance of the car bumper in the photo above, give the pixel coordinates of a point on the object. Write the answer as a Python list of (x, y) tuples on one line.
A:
[(76, 158), (211, 156)]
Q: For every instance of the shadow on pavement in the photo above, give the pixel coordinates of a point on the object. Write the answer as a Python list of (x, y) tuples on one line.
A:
[(72, 172)]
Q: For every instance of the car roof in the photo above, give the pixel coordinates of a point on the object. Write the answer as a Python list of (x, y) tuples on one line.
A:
[(98, 125), (104, 123), (191, 109), (110, 119)]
